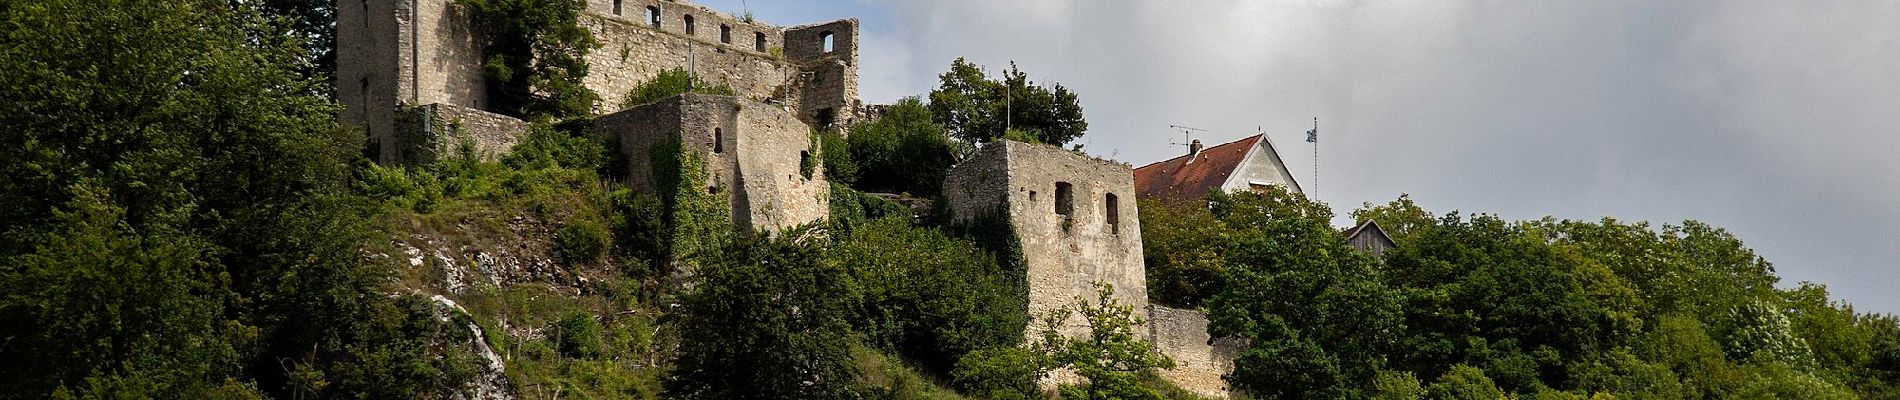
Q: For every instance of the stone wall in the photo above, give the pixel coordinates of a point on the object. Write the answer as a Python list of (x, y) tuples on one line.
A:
[(632, 53), (1065, 254), (754, 151), (1199, 360)]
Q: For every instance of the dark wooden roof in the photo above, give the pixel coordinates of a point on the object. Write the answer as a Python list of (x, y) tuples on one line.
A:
[(1189, 177), (1371, 229)]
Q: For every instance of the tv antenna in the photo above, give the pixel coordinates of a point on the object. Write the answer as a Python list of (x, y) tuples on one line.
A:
[(1187, 133)]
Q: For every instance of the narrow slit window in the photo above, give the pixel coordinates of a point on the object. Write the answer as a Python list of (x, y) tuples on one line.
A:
[(653, 16), (719, 141), (758, 41), (1113, 212), (617, 7), (1065, 200), (725, 34), (689, 25), (826, 38)]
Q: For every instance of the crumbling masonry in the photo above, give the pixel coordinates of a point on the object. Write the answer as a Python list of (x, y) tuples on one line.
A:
[(1076, 219)]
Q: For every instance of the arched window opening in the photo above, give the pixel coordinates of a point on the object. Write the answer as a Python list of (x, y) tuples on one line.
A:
[(689, 25), (653, 16), (725, 34), (1114, 213), (826, 38), (719, 141)]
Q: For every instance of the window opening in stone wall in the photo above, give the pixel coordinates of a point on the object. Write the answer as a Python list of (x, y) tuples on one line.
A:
[(689, 25), (1065, 201), (616, 7), (653, 16), (826, 117), (719, 141), (725, 34), (365, 14), (1114, 213), (806, 165), (758, 41), (826, 38)]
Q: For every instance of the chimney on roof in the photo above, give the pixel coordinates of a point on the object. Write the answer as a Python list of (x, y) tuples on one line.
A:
[(1194, 147)]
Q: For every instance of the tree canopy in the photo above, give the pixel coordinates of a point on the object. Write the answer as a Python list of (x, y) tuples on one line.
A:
[(975, 108)]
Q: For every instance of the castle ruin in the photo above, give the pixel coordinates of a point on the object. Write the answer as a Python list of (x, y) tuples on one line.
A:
[(409, 74), (1076, 220)]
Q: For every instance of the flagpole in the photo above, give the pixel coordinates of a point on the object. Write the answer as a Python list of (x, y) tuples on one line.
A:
[(1312, 136)]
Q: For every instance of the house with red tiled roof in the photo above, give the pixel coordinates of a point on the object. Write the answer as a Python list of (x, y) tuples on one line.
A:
[(1250, 163)]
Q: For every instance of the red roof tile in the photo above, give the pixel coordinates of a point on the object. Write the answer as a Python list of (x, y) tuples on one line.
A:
[(1184, 179)]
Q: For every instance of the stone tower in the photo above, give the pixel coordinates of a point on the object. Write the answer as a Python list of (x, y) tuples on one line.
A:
[(1074, 214)]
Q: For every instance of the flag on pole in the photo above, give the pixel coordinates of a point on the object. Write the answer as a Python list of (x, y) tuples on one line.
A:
[(1312, 135)]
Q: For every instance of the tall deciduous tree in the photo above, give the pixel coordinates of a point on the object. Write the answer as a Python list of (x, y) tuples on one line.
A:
[(975, 108), (766, 320), (174, 217), (536, 56), (1112, 355), (1317, 313)]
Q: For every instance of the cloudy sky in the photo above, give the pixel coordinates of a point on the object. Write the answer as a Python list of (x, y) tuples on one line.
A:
[(1777, 120)]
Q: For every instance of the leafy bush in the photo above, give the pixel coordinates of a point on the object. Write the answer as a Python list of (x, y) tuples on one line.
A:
[(536, 57), (577, 335), (927, 296), (1395, 385), (1464, 382), (766, 321), (668, 84), (582, 240), (1000, 373)]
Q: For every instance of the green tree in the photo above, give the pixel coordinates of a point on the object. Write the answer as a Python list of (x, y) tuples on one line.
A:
[(927, 296), (766, 321), (1316, 311), (313, 23), (975, 108), (1003, 373), (1398, 218), (536, 56), (1184, 247), (902, 151), (1463, 382), (1112, 356), (176, 219)]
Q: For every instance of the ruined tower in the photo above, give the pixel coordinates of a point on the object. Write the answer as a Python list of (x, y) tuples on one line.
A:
[(1074, 215)]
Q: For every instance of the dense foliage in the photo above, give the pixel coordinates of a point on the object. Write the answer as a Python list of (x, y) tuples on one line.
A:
[(1476, 307), (536, 56), (975, 108), (901, 151), (176, 218), (767, 323)]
